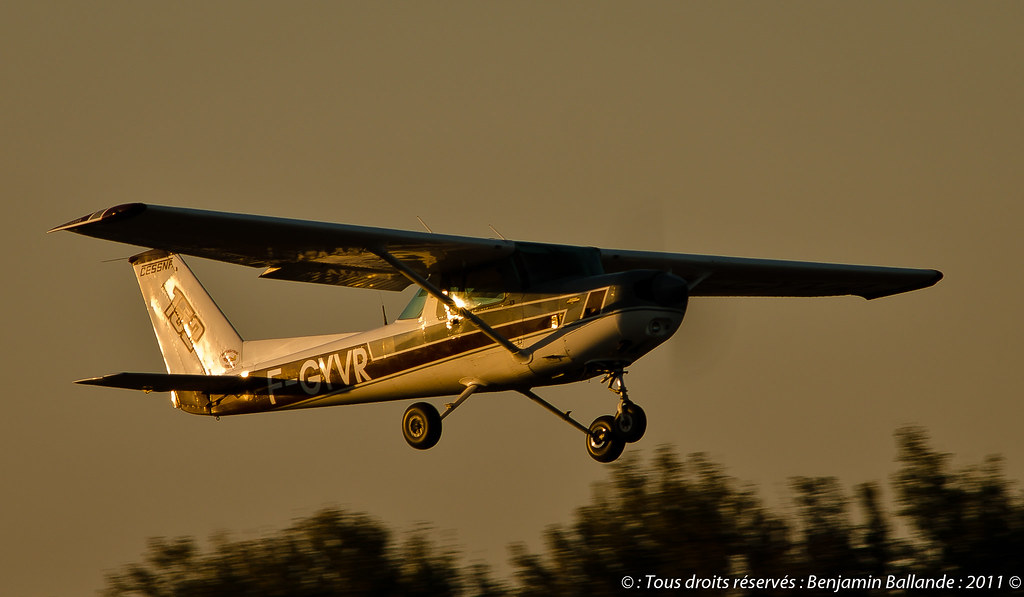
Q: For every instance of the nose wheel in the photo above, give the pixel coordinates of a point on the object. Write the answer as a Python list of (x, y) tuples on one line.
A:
[(630, 422)]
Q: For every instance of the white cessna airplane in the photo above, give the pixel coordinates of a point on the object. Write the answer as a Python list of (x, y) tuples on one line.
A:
[(490, 315)]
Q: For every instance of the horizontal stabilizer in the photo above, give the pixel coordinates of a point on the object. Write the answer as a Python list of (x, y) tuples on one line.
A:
[(166, 382)]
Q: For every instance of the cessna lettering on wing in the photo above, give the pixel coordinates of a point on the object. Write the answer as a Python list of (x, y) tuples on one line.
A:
[(325, 372)]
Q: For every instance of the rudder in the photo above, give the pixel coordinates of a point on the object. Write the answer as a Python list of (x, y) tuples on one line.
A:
[(194, 335)]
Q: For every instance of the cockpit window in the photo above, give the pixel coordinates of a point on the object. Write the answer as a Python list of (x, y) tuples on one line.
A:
[(415, 307), (468, 299), (471, 299)]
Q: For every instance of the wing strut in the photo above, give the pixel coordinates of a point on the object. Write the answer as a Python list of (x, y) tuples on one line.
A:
[(520, 354)]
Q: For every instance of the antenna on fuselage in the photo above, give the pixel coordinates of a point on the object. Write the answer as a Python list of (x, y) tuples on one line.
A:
[(424, 224), (383, 310), (495, 230)]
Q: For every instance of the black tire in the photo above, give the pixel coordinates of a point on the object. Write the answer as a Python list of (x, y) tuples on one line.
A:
[(421, 426), (631, 422), (603, 442)]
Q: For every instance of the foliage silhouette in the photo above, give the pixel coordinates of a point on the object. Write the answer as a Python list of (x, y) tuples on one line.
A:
[(668, 519), (968, 521), (330, 553)]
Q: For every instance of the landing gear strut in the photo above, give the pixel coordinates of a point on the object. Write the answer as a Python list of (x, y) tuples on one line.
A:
[(630, 420), (421, 424), (608, 435)]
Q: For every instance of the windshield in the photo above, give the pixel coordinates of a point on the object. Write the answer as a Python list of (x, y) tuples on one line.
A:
[(415, 307)]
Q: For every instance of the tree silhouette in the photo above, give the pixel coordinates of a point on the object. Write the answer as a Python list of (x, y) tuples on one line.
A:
[(967, 521), (688, 519), (670, 520), (330, 553)]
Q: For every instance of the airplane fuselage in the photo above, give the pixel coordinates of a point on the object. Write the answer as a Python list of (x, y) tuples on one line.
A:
[(569, 332)]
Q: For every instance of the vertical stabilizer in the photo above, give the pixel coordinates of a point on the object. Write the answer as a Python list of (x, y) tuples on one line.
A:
[(193, 333)]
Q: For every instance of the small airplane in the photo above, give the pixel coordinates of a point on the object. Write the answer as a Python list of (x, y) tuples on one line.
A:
[(490, 315)]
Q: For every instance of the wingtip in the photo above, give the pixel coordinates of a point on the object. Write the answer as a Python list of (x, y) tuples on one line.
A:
[(110, 213), (926, 279), (933, 278)]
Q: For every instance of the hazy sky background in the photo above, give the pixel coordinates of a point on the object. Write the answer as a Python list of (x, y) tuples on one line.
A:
[(878, 133)]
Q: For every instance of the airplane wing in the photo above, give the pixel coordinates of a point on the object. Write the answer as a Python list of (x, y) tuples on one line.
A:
[(365, 257), (300, 250), (734, 276)]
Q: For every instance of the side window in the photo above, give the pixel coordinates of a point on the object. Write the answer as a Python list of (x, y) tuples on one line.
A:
[(468, 299), (474, 299), (479, 287)]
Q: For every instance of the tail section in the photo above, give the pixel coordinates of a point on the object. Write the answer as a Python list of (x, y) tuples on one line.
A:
[(194, 335)]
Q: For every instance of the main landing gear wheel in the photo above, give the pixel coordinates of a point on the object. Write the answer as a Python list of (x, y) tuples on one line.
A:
[(421, 426), (603, 442), (630, 422)]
